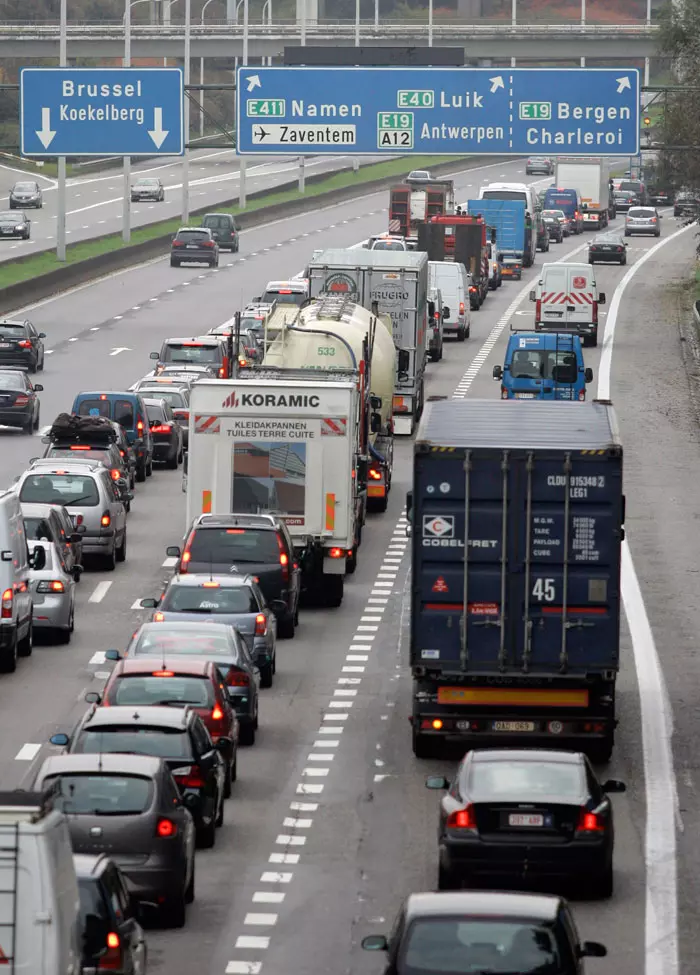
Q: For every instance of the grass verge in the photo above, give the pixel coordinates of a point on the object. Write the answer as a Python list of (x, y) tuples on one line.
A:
[(37, 264)]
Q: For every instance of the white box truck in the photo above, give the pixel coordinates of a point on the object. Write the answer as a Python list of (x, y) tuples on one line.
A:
[(397, 281), (591, 178)]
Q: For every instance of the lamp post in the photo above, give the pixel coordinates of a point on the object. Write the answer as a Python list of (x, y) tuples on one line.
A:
[(647, 60), (186, 157), (583, 24), (201, 80), (242, 164), (513, 23), (61, 215), (126, 200), (357, 23), (267, 6), (430, 23)]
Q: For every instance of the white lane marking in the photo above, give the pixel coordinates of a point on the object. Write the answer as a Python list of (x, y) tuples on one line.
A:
[(244, 968), (27, 752), (353, 670), (291, 823), (335, 717), (325, 757), (73, 340), (284, 839), (268, 897), (320, 773), (97, 658), (99, 592), (169, 563), (357, 657), (342, 692), (251, 941), (269, 877), (349, 680), (304, 806), (340, 704), (327, 743), (263, 920), (308, 790), (137, 604), (289, 858), (329, 731)]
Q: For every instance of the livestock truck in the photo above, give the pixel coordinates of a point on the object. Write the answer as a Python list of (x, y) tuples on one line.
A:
[(516, 516)]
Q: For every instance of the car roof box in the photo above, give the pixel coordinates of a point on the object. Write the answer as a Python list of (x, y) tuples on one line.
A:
[(78, 429)]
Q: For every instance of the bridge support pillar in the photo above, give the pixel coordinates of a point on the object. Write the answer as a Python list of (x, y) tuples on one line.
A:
[(312, 12)]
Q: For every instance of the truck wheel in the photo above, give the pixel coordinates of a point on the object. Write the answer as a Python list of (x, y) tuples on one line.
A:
[(333, 591), (285, 627), (446, 879), (600, 753), (461, 334)]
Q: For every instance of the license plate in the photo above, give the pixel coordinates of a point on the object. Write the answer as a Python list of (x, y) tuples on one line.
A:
[(525, 395), (553, 314), (525, 819), (192, 247), (5, 345), (513, 726), (606, 247), (463, 725)]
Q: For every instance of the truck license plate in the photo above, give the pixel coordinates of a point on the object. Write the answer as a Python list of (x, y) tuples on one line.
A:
[(553, 314), (513, 726), (525, 819)]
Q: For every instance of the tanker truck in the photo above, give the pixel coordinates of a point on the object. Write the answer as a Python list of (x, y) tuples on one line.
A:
[(306, 434)]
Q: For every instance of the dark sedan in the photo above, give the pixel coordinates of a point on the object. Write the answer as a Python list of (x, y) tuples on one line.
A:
[(26, 194), (21, 345), (524, 815), (607, 249), (624, 199), (686, 203), (14, 225), (166, 432), (19, 403)]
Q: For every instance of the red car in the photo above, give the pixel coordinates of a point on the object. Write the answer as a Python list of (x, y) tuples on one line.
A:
[(177, 681)]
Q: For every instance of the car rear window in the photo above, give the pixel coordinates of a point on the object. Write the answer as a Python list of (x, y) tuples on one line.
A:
[(155, 414), (91, 453), (9, 380), (164, 640), (641, 212), (67, 489), (103, 794), (217, 223), (193, 236), (11, 330), (524, 781), (233, 545), (161, 742), (95, 407), (209, 599), (284, 296), (394, 245), (191, 352), (175, 397), (176, 689)]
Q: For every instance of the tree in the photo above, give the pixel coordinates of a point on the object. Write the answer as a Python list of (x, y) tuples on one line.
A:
[(680, 123)]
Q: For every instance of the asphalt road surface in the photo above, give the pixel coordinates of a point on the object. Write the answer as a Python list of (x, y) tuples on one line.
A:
[(330, 825)]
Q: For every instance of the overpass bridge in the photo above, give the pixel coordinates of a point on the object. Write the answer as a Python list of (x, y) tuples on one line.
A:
[(535, 42)]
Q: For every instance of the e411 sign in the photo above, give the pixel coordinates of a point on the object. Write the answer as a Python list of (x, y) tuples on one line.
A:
[(438, 111)]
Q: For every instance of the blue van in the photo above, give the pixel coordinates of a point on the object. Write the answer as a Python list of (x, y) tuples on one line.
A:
[(569, 202), (541, 365), (129, 411)]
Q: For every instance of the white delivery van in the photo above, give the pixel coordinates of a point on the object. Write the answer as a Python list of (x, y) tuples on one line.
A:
[(39, 900), (567, 300), (452, 280)]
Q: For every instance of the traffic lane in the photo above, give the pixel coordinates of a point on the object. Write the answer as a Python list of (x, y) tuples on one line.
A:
[(656, 404)]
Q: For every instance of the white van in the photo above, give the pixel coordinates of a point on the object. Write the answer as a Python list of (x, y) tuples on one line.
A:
[(15, 594), (453, 281), (567, 299), (39, 900)]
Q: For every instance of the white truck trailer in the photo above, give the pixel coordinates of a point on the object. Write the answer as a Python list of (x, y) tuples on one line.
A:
[(591, 177)]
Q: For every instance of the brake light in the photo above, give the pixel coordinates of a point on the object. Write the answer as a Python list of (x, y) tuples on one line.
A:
[(222, 372), (462, 818), (111, 959), (186, 556), (158, 617), (595, 312), (139, 426), (589, 822), (25, 344), (284, 559), (210, 585), (374, 474), (242, 362), (582, 395), (217, 714), (504, 392), (53, 585), (163, 673), (235, 531), (260, 624), (166, 828), (336, 553), (6, 603), (78, 520), (115, 472), (461, 307), (192, 780), (236, 678), (162, 428), (472, 289), (178, 243), (79, 447), (106, 520), (208, 243), (538, 310), (21, 400)]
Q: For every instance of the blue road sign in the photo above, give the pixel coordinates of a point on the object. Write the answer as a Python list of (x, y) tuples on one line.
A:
[(438, 111), (101, 111)]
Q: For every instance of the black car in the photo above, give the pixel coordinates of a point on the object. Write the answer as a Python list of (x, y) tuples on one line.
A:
[(14, 225), (686, 202), (194, 245), (258, 545), (21, 345), (524, 815), (91, 438), (131, 806), (147, 189), (166, 432), (218, 642), (542, 236), (26, 193), (624, 199), (484, 932), (19, 403), (177, 735), (608, 248), (554, 224), (176, 395), (223, 228), (113, 939), (658, 196)]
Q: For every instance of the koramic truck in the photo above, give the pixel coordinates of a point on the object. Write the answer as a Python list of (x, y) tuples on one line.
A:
[(516, 516)]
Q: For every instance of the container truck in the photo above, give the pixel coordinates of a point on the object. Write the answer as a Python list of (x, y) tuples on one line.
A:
[(515, 237), (306, 435), (459, 238), (397, 281), (592, 180), (411, 204), (516, 517)]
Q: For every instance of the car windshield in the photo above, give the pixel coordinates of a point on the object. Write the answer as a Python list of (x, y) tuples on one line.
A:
[(103, 794), (162, 742), (285, 297), (521, 781), (162, 640), (12, 330), (234, 545), (191, 352), (11, 380), (175, 397), (193, 236), (25, 187), (209, 599), (66, 489), (11, 215), (641, 212), (553, 214), (544, 364), (176, 689), (478, 946), (147, 182)]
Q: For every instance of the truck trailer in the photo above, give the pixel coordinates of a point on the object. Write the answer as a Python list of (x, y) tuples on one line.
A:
[(411, 204), (516, 517), (462, 238), (592, 180), (514, 233)]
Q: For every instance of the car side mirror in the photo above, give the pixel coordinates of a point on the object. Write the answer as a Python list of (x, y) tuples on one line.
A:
[(375, 942), (591, 949), (437, 782), (42, 335), (128, 496), (278, 606), (533, 296), (77, 572), (32, 460), (173, 551), (375, 402), (588, 375), (154, 355), (498, 373), (75, 537), (92, 697), (614, 785), (113, 655), (149, 603), (81, 529), (60, 739), (375, 423), (37, 560), (601, 298), (404, 359), (38, 388), (190, 801)]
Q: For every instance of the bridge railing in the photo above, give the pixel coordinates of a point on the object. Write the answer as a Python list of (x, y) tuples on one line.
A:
[(107, 29)]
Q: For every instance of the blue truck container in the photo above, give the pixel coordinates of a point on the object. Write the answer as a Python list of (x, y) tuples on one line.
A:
[(532, 493), (513, 238)]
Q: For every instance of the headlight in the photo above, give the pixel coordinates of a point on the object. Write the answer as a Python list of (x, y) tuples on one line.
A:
[(20, 226)]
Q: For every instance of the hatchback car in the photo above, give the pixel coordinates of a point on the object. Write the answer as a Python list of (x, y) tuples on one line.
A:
[(233, 599), (96, 437), (166, 433), (19, 403), (203, 350), (257, 544), (14, 225), (26, 193), (52, 523), (554, 220), (53, 593), (176, 735), (485, 931), (130, 805), (526, 815), (642, 220), (221, 644), (178, 682), (223, 228), (112, 938), (542, 236), (91, 498), (175, 393), (608, 249), (127, 409), (147, 188), (21, 345), (194, 245)]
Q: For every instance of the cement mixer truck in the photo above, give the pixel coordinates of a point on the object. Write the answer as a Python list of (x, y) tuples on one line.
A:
[(306, 434)]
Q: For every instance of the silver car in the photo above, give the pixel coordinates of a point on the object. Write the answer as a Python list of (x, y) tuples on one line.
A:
[(53, 593), (233, 599), (642, 220), (52, 523), (91, 498)]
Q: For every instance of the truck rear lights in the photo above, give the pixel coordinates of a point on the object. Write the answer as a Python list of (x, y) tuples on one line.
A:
[(260, 624), (462, 818), (398, 405), (336, 553), (6, 604), (374, 474)]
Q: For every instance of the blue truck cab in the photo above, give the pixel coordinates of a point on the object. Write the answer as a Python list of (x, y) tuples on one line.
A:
[(129, 411), (543, 366)]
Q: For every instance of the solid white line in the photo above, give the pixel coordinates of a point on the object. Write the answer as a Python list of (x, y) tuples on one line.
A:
[(99, 592), (27, 752)]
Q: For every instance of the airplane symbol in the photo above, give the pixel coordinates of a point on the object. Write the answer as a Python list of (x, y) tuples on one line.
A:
[(261, 134)]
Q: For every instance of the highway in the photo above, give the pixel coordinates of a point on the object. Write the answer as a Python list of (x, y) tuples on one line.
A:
[(94, 203), (330, 825)]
